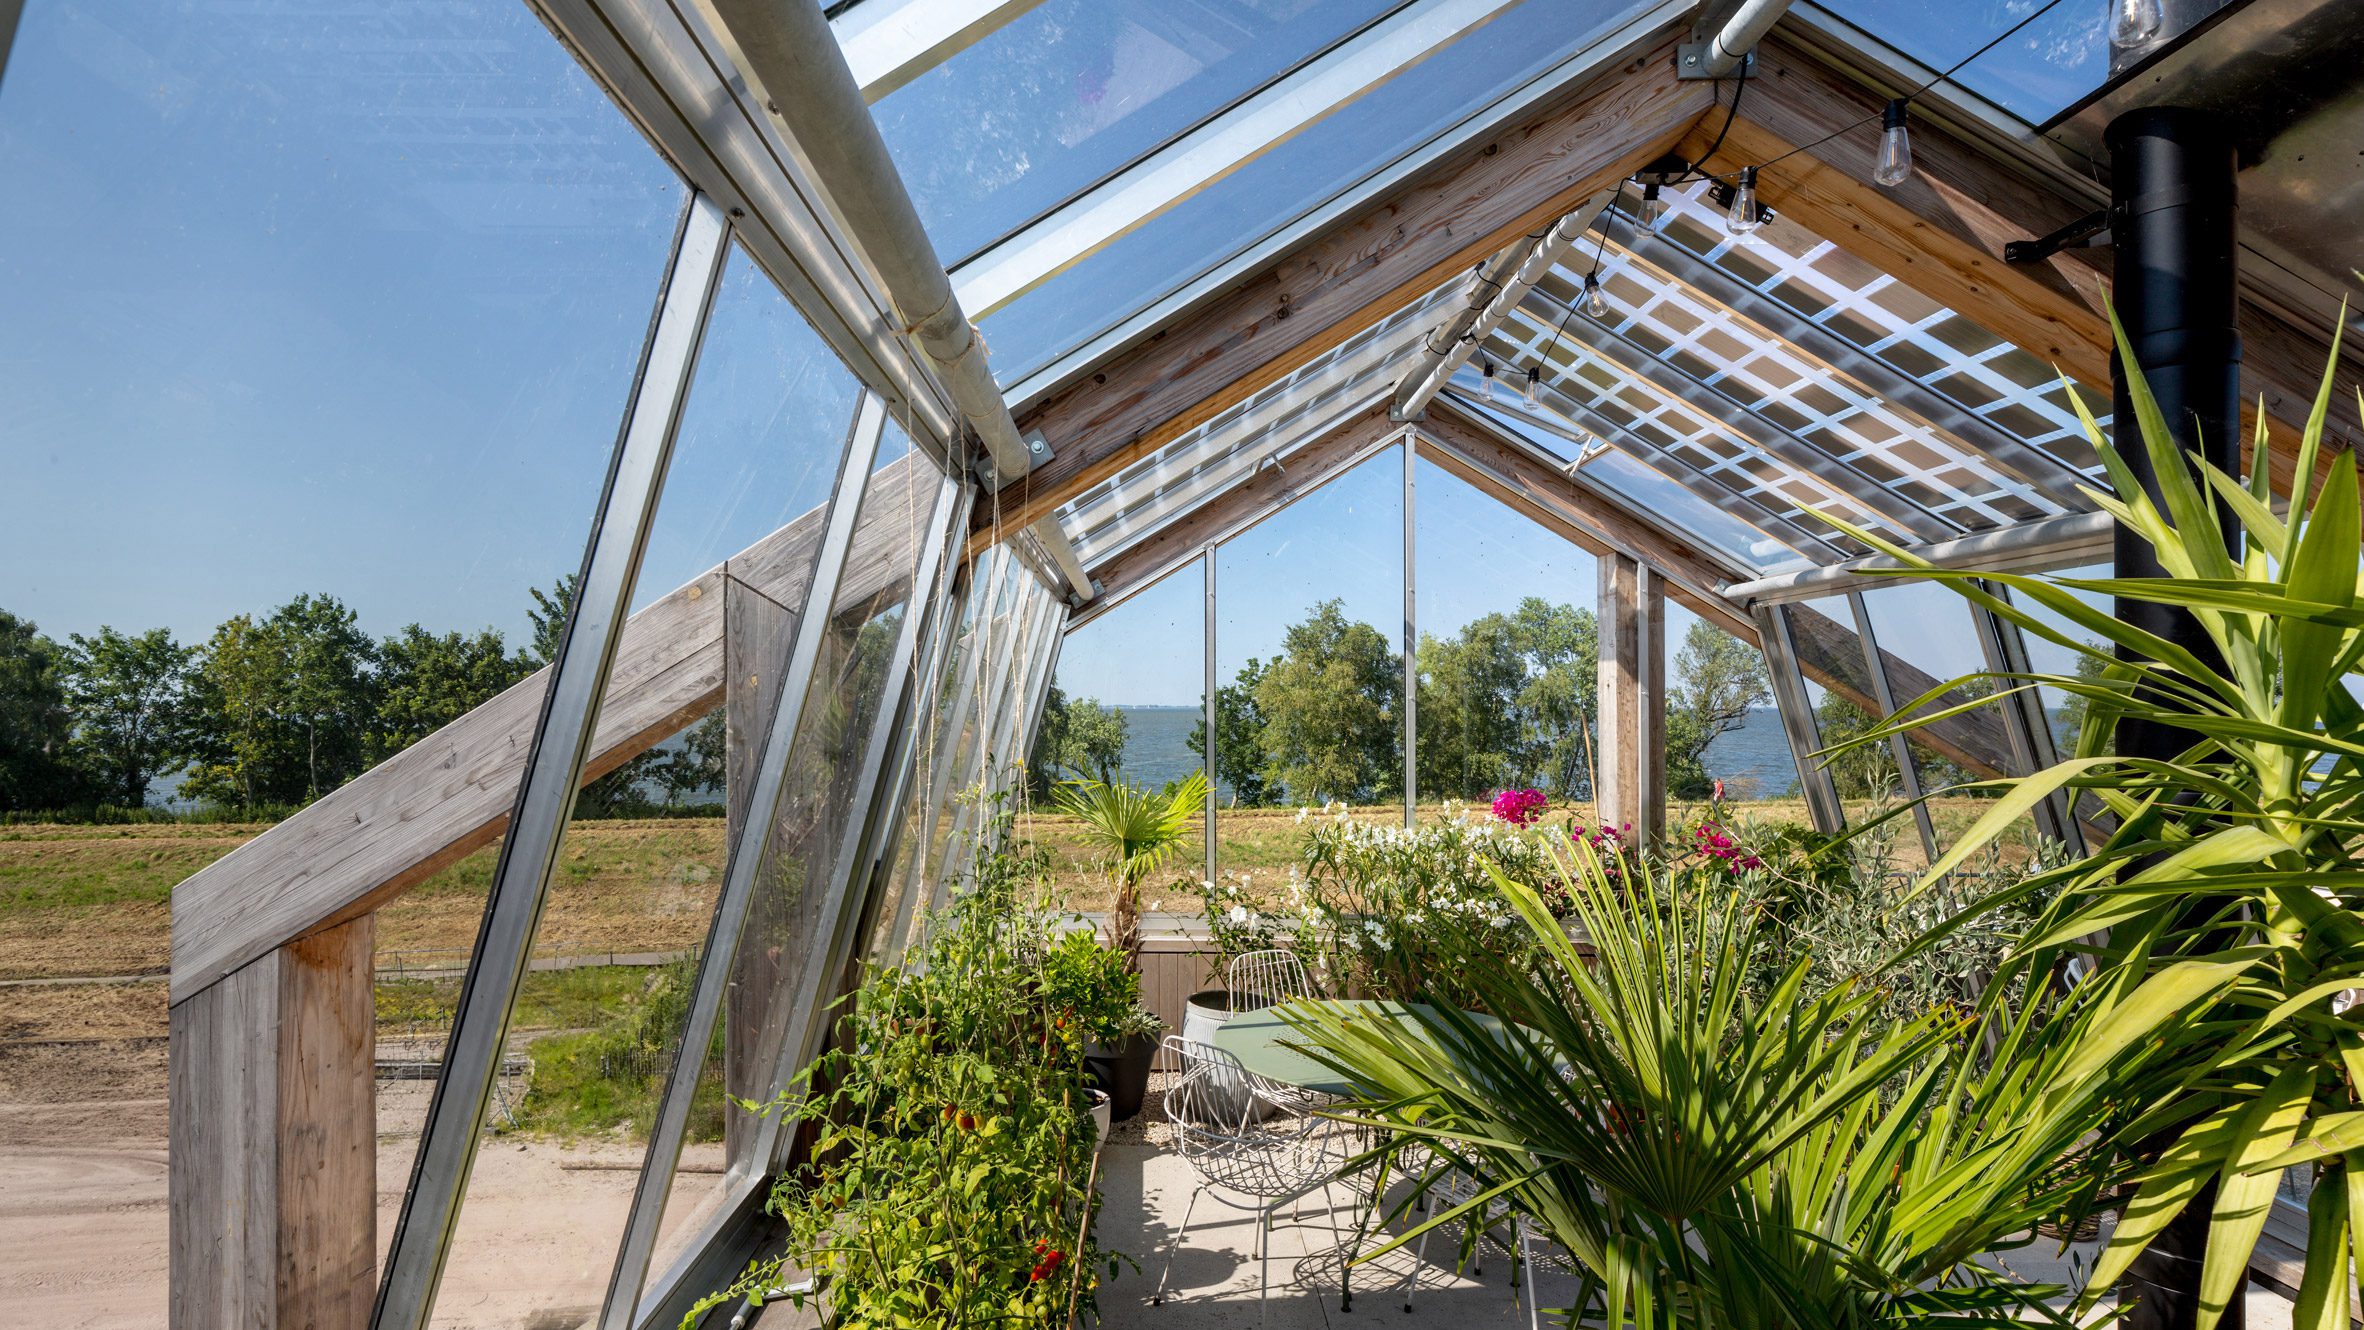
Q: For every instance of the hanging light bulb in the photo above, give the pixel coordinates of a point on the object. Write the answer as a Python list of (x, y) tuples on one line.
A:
[(1534, 381), (2133, 22), (1895, 164), (1486, 379), (1744, 216), (1653, 207), (1595, 300)]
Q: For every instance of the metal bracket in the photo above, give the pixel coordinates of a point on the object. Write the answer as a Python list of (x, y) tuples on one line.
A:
[(1038, 451), (1691, 61), (2090, 231)]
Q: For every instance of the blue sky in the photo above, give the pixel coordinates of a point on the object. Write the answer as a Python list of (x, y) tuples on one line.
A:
[(349, 301)]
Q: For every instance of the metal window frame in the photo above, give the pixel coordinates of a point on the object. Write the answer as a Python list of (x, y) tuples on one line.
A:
[(1037, 609), (2027, 728), (1210, 691), (807, 1026), (735, 1228), (1411, 719), (890, 43), (1605, 51), (676, 75), (717, 963), (1089, 222), (1908, 772), (554, 768), (1798, 725), (989, 577)]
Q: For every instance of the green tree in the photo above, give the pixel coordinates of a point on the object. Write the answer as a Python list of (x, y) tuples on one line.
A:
[(1864, 772), (35, 725), (1717, 679), (1239, 738), (1079, 739), (428, 680), (130, 708), (1332, 706), (1472, 737), (549, 618), (281, 710), (1563, 649)]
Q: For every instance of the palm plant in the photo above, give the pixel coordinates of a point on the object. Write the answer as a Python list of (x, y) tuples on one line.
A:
[(1133, 831), (1711, 1160), (2221, 909)]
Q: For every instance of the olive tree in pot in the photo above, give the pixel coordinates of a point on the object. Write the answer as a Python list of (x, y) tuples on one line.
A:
[(1131, 831)]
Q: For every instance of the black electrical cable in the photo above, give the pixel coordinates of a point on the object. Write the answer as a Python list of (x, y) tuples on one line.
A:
[(1997, 40)]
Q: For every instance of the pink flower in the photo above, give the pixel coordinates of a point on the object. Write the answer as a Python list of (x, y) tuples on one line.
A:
[(1520, 807)]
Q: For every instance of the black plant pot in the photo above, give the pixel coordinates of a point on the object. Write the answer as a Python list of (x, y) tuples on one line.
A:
[(1122, 1070)]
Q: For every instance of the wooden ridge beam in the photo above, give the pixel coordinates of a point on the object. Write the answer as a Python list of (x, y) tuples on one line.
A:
[(451, 793), (1420, 236)]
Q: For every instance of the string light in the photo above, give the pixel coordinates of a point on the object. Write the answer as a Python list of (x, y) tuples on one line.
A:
[(1653, 207), (1744, 216), (1531, 385), (1596, 300), (2133, 22), (1486, 378), (1894, 165)]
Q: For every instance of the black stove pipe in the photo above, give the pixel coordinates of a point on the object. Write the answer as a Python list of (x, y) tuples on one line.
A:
[(2172, 217)]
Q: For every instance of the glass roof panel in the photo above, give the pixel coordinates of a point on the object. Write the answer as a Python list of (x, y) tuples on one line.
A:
[(2035, 73), (1075, 90), (1425, 103)]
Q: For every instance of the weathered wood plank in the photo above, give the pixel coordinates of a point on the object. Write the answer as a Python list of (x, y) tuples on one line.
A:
[(1631, 780), (1314, 298), (274, 1139), (451, 793)]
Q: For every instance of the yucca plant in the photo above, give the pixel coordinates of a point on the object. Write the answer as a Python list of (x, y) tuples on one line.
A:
[(2220, 911), (1132, 831), (1709, 1159)]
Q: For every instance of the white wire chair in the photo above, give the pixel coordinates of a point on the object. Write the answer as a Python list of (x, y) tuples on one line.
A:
[(1448, 1185), (1260, 979), (1268, 1163), (1264, 978)]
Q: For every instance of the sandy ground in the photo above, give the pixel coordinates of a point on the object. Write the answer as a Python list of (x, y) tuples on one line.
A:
[(83, 1201)]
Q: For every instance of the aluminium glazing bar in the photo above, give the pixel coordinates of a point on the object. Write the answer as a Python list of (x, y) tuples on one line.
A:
[(993, 651), (2051, 479), (827, 953), (2027, 728), (1908, 773), (1796, 709), (888, 43), (718, 961), (553, 773), (2055, 542), (989, 577), (1036, 609), (1218, 146), (1581, 425), (669, 69), (1411, 640), (1495, 291), (1210, 691), (1870, 497), (1620, 38)]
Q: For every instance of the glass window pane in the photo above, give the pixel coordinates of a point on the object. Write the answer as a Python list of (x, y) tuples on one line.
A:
[(1128, 704), (2035, 73), (1075, 90), (599, 1020), (1722, 731), (2064, 709), (1309, 649), (1928, 636), (1325, 161), (1509, 651), (804, 874)]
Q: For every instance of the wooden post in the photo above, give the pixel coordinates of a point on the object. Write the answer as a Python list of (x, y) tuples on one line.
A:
[(757, 633), (274, 1139), (1632, 757)]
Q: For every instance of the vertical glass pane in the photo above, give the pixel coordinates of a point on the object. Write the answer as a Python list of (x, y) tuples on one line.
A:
[(783, 975), (319, 325), (1509, 651), (1309, 658), (1722, 732), (1128, 704), (598, 1021), (1928, 637), (2064, 709)]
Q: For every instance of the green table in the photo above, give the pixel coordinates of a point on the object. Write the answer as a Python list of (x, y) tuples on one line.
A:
[(1268, 1046)]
